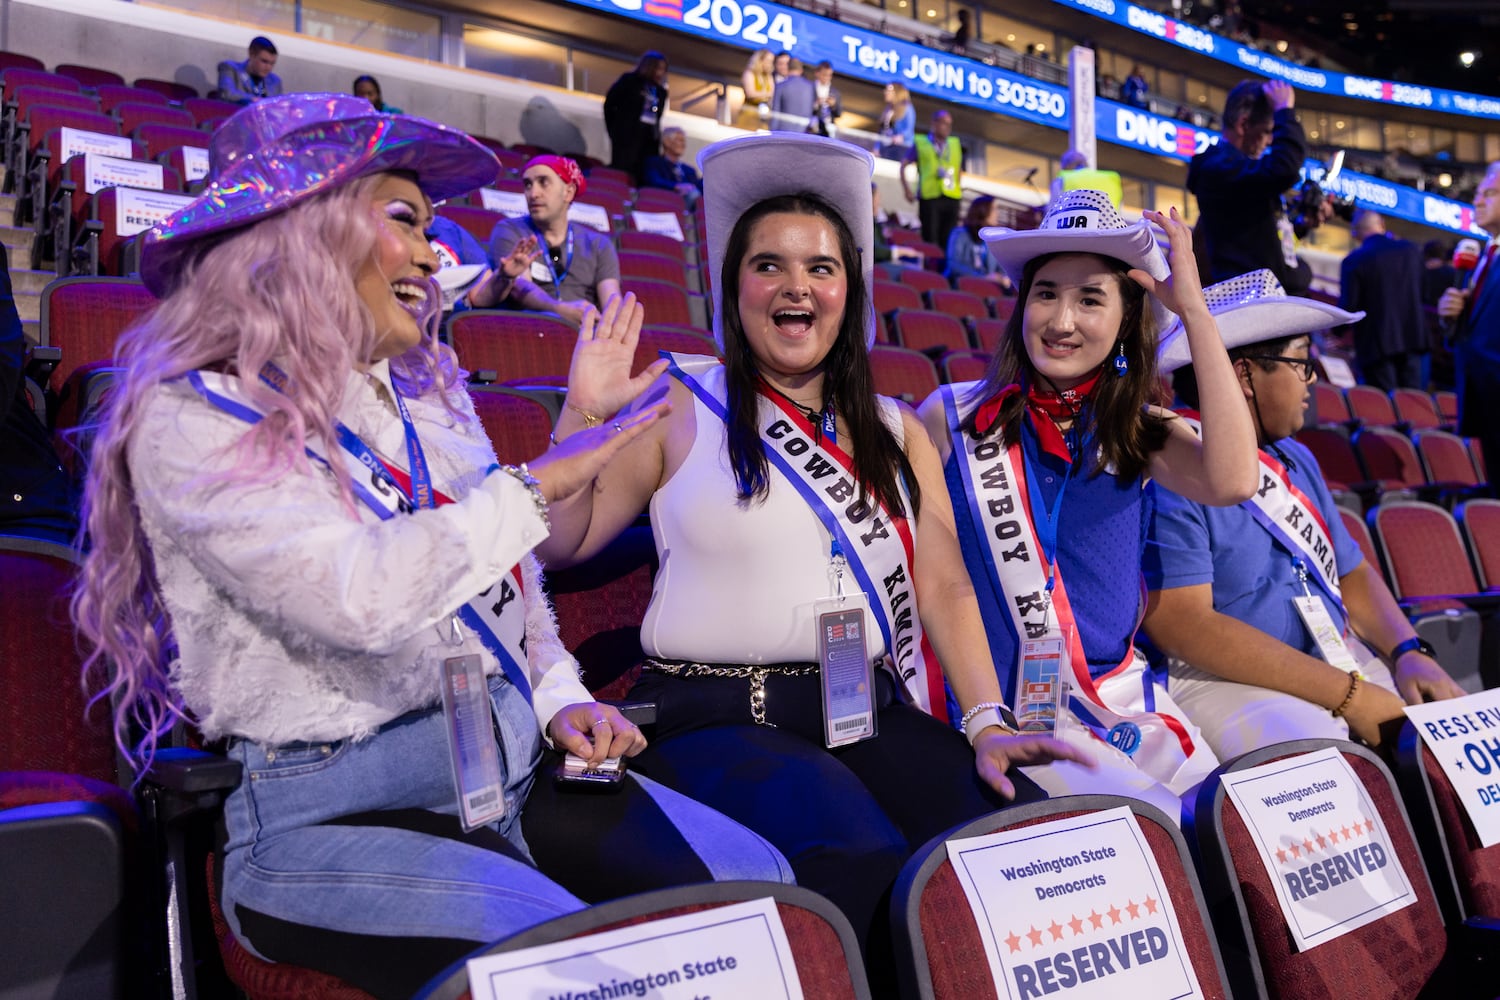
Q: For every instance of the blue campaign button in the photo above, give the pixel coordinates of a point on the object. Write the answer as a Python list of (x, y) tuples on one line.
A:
[(1126, 738)]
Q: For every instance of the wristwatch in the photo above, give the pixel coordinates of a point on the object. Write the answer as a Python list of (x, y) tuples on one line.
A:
[(1415, 642)]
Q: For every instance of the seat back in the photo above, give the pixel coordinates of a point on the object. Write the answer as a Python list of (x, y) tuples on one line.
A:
[(985, 288), (664, 246), (480, 222), (664, 302), (1330, 403), (622, 177), (44, 716), (1394, 956), (1370, 405), (112, 96), (90, 76), (1446, 458), (961, 304), (134, 114), (514, 345), (676, 339), (892, 295), (85, 316), (902, 373), (19, 60), (209, 109), (1465, 873), (1447, 405), (159, 138), (1335, 455), (169, 89), (517, 426), (938, 949), (930, 332), (1360, 532), (824, 949), (964, 366), (1389, 457), (1424, 553), (1480, 520), (922, 280), (635, 264), (988, 333), (1415, 408), (19, 76), (31, 96), (600, 605)]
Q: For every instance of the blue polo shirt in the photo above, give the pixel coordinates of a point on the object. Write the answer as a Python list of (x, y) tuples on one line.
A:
[(1251, 573)]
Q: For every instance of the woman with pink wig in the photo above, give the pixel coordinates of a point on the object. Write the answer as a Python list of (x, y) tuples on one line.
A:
[(302, 544)]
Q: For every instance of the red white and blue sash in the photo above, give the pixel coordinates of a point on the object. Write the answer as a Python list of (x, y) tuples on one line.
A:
[(877, 546), (498, 615), (999, 506), (1292, 518)]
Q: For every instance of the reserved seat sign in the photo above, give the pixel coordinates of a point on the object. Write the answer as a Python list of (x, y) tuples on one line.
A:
[(734, 952), (1076, 909), (1322, 842), (1464, 735)]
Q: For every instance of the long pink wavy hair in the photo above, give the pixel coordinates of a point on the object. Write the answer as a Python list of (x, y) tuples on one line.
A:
[(282, 289)]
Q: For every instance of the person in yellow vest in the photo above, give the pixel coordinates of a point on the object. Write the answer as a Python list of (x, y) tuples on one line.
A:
[(1077, 175), (940, 170)]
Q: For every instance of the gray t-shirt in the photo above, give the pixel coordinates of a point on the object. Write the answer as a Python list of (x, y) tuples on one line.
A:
[(593, 260)]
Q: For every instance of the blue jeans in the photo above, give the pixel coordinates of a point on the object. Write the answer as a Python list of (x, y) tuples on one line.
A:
[(294, 854)]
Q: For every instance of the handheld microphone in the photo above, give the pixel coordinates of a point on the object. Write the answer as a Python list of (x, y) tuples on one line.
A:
[(1465, 260)]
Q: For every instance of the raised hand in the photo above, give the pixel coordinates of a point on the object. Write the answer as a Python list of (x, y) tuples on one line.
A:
[(1182, 292), (574, 463), (518, 261), (599, 381)]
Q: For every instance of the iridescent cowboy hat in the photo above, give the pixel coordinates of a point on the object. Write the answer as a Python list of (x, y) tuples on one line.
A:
[(741, 172), (1082, 221), (1249, 309), (278, 152)]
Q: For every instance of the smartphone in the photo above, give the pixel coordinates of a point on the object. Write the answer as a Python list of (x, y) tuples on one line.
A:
[(573, 773)]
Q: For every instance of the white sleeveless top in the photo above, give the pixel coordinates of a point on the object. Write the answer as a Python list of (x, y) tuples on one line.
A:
[(738, 579)]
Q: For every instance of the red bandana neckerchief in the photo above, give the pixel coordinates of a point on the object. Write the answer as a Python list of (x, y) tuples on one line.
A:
[(1054, 406)]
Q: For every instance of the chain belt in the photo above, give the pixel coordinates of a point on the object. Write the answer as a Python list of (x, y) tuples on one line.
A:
[(755, 674)]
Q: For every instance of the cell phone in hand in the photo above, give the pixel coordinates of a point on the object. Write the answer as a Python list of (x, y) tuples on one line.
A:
[(573, 774)]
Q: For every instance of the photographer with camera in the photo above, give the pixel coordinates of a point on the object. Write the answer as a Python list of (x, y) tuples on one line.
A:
[(1382, 277), (1239, 182)]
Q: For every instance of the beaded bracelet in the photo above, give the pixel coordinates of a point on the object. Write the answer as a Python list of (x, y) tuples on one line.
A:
[(979, 718), (1354, 679), (523, 476)]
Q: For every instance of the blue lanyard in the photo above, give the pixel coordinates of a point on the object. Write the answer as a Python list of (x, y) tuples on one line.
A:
[(1043, 518), (557, 279), (421, 475)]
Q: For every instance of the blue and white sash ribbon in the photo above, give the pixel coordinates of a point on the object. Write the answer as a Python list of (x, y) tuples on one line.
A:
[(877, 545), (497, 616)]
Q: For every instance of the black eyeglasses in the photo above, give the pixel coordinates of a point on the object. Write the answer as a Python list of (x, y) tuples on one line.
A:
[(1304, 366)]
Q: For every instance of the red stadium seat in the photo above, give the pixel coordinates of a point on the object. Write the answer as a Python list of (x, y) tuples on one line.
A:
[(1446, 459), (27, 97), (1331, 406), (1447, 405), (209, 109), (1424, 553), (133, 115), (517, 426), (19, 60), (985, 288), (902, 373), (1389, 458), (20, 77), (963, 305), (622, 177), (988, 333), (158, 138), (890, 296), (676, 339), (664, 302), (1480, 520), (112, 95), (1360, 532), (83, 317), (655, 267), (1337, 458), (515, 346), (90, 76), (964, 366), (930, 332), (171, 90), (922, 280), (1415, 408), (655, 243), (938, 949), (1371, 406), (480, 222)]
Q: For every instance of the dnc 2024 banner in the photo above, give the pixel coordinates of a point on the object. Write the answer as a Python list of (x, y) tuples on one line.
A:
[(868, 55)]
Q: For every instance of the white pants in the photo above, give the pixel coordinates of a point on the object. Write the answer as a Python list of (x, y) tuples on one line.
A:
[(1237, 718), (1174, 783)]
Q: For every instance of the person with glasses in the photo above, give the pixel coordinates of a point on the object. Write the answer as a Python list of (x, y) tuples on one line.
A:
[(1229, 587)]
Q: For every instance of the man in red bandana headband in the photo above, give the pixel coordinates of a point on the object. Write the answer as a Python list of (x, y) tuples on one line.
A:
[(578, 266)]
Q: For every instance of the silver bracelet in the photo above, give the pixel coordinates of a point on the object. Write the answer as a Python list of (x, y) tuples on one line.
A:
[(984, 715), (523, 476)]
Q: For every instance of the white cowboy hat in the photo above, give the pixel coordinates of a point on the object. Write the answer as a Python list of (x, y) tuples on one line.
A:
[(741, 172), (1082, 221), (1249, 309)]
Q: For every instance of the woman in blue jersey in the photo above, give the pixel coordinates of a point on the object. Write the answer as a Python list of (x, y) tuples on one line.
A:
[(1046, 459)]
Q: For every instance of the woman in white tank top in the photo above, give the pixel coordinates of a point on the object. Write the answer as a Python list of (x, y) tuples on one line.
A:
[(778, 482)]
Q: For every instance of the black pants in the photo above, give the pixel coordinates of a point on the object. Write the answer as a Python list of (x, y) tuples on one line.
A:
[(939, 216), (1396, 371), (846, 819)]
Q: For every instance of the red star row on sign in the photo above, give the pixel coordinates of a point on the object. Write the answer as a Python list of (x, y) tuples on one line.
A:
[(1298, 849), (1092, 921)]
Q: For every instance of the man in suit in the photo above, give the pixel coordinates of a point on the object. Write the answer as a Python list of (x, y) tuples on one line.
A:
[(828, 103), (1383, 277), (793, 100), (1474, 315)]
